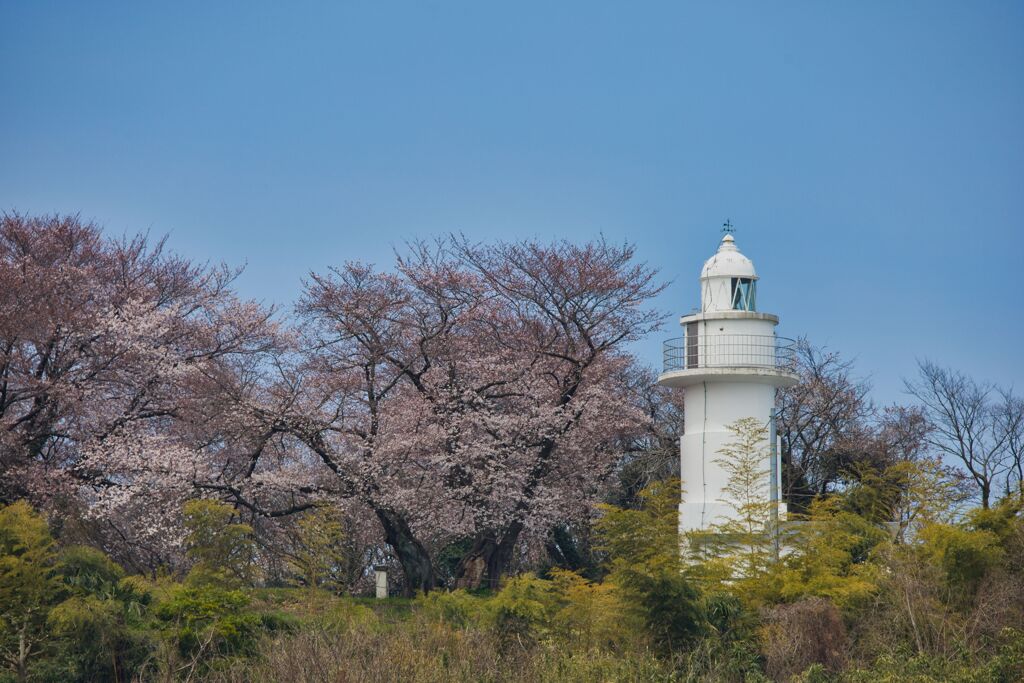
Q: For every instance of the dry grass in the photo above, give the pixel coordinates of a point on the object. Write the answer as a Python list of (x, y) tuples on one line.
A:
[(420, 650), (796, 636)]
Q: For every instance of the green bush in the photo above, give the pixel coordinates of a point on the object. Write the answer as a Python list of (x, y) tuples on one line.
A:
[(457, 608), (847, 604), (523, 610), (208, 619), (965, 555)]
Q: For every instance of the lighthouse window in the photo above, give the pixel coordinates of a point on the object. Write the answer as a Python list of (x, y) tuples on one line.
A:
[(743, 294)]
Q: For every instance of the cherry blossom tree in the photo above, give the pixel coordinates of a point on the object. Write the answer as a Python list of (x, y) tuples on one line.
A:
[(107, 349), (570, 310), (476, 393)]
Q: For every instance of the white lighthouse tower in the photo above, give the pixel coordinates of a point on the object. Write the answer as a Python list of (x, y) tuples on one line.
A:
[(730, 363)]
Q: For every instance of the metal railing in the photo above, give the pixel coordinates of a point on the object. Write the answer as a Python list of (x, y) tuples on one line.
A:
[(728, 351)]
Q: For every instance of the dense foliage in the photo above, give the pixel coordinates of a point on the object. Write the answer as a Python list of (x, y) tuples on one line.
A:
[(849, 603)]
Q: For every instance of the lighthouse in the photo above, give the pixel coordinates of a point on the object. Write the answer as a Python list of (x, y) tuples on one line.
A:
[(731, 364)]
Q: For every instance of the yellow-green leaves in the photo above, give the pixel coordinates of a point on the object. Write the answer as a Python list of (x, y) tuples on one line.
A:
[(965, 555), (222, 548), (829, 554), (320, 553), (741, 547), (648, 536), (28, 584)]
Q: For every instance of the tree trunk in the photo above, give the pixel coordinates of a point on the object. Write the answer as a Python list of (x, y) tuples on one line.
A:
[(486, 562), (23, 649), (796, 492), (415, 561)]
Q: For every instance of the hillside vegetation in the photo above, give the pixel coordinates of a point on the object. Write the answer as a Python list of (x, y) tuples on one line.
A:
[(847, 603)]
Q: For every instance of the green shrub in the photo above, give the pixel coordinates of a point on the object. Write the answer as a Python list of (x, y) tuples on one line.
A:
[(667, 604), (593, 616), (523, 610), (457, 608), (203, 621), (964, 555)]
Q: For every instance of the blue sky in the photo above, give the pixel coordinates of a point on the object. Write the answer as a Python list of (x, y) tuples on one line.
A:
[(870, 154)]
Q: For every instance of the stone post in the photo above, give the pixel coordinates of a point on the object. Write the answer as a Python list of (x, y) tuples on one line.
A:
[(381, 574)]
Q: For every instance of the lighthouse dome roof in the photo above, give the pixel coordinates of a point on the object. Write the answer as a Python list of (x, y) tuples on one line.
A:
[(728, 262)]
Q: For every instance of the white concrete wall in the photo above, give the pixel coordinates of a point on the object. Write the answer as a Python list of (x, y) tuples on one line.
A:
[(735, 342), (705, 433), (751, 325)]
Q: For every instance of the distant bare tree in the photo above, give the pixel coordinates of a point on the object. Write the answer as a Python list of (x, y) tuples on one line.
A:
[(901, 434), (825, 424), (1010, 419), (967, 424)]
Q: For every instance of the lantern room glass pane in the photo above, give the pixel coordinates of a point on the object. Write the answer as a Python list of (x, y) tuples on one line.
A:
[(744, 293)]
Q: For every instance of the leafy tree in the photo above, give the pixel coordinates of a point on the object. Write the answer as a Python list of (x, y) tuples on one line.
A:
[(1006, 521), (29, 585), (320, 556), (830, 554), (222, 548), (741, 548), (524, 609), (928, 492), (87, 571), (647, 536), (100, 625), (645, 563), (729, 650), (70, 615), (964, 555), (201, 620), (593, 614)]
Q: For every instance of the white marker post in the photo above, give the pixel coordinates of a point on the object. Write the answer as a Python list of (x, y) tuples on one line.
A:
[(381, 572)]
